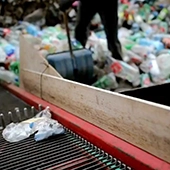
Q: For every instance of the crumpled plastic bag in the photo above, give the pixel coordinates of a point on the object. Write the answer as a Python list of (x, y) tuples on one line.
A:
[(46, 129), (44, 113), (41, 125), (15, 132)]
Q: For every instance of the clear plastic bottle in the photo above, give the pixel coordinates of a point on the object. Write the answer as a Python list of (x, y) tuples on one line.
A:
[(142, 51), (124, 32), (150, 43), (13, 38), (17, 53), (165, 51), (154, 68), (146, 28), (2, 55), (127, 42), (150, 65), (30, 28), (7, 76), (164, 65), (136, 36), (125, 71), (159, 37), (130, 56)]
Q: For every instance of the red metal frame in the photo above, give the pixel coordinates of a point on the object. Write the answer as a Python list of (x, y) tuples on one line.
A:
[(124, 151)]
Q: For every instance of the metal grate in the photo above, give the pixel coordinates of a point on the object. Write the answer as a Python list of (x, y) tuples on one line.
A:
[(64, 152), (67, 151)]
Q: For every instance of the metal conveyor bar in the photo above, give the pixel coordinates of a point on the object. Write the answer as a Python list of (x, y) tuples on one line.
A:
[(68, 151)]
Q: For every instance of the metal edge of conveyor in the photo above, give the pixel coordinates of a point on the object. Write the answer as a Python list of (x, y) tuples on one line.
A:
[(124, 151)]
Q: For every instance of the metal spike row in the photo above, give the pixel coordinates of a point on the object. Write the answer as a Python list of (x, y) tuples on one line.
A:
[(10, 115), (48, 108), (25, 113), (2, 120), (18, 114), (40, 107), (32, 111)]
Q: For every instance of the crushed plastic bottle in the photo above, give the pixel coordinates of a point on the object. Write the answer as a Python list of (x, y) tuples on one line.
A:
[(7, 76)]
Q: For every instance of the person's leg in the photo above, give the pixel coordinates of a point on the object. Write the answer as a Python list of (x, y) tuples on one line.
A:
[(86, 12), (109, 14)]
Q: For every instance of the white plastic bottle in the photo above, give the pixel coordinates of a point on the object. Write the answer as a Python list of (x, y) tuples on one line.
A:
[(150, 65), (154, 68)]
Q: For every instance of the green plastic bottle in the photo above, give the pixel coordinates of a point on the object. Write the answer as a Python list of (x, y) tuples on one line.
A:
[(129, 46), (14, 67), (162, 15), (106, 82)]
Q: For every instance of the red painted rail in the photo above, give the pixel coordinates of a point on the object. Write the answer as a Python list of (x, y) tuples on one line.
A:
[(122, 150)]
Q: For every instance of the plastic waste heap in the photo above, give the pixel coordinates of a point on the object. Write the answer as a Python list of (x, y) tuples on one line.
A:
[(143, 33)]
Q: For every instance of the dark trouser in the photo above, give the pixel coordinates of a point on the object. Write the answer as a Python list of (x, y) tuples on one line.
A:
[(107, 10)]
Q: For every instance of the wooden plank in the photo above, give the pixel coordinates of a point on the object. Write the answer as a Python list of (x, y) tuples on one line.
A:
[(31, 59), (31, 81), (142, 123)]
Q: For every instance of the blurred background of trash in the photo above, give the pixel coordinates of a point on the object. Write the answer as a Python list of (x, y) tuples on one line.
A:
[(144, 27)]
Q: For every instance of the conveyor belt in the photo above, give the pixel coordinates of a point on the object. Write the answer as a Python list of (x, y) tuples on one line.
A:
[(68, 151)]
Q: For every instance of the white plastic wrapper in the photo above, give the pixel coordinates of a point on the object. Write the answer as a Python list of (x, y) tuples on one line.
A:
[(44, 113), (15, 132), (47, 128), (41, 125)]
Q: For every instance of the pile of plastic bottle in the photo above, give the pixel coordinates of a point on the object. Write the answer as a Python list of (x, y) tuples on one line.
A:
[(9, 57), (53, 40), (143, 34)]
